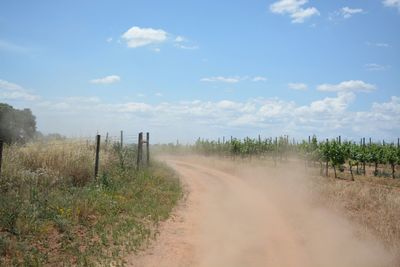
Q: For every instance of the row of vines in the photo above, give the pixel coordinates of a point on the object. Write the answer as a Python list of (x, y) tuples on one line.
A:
[(335, 154)]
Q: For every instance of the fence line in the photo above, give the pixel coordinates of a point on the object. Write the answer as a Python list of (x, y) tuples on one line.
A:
[(96, 145)]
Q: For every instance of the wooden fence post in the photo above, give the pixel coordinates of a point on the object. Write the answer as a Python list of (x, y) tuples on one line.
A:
[(139, 151), (1, 154), (96, 164), (148, 148), (122, 139)]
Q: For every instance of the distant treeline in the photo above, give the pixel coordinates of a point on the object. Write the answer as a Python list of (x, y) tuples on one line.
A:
[(19, 126), (16, 125)]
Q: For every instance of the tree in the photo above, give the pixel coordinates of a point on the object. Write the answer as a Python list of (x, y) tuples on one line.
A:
[(16, 125)]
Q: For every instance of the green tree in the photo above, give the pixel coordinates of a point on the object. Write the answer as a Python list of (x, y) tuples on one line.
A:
[(16, 125)]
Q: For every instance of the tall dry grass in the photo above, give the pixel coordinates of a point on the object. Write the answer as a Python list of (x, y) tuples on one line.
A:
[(53, 210), (373, 203)]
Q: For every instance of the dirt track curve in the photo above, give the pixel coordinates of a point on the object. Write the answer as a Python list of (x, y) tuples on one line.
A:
[(246, 216)]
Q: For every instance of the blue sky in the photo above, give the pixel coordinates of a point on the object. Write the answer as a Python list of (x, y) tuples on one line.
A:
[(183, 69)]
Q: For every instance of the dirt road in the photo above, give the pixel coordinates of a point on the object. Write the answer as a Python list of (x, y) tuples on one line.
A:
[(238, 215)]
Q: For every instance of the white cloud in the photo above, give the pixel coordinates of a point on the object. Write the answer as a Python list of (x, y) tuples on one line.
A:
[(352, 85), (130, 107), (158, 94), (221, 79), (184, 43), (259, 79), (392, 107), (392, 3), (374, 67), (347, 12), (294, 9), (330, 105), (13, 91), (381, 45), (298, 86), (180, 39), (287, 6), (106, 80), (275, 108), (302, 14), (137, 37), (187, 47), (325, 117), (226, 104), (109, 39)]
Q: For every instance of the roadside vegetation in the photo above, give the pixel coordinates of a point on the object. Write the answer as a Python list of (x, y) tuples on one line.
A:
[(53, 211)]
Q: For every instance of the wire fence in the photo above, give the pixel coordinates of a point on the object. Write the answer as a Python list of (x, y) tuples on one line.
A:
[(127, 148)]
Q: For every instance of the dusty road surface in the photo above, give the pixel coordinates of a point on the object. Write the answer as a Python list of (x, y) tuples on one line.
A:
[(240, 215)]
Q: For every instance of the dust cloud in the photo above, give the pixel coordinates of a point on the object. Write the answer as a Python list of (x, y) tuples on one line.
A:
[(243, 214)]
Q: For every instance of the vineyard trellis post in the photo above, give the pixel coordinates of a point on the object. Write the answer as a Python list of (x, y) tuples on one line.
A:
[(96, 163), (327, 160), (276, 150), (1, 154), (363, 145)]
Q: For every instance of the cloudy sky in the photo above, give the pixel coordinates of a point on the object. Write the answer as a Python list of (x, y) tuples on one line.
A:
[(184, 69)]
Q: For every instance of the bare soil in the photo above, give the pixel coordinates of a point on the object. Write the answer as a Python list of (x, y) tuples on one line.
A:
[(236, 214)]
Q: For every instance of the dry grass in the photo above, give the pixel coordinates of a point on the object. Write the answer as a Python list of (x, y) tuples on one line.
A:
[(373, 203), (52, 209)]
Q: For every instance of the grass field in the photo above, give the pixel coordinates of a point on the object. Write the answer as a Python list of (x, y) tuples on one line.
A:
[(52, 210)]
